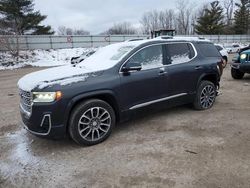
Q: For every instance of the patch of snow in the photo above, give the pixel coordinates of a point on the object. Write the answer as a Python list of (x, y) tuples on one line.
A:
[(41, 58), (63, 82), (58, 75), (177, 59)]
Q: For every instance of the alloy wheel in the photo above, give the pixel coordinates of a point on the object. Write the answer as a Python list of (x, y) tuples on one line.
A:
[(94, 124), (208, 95)]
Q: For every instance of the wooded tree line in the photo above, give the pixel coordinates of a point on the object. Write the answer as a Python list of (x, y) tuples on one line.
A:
[(218, 17)]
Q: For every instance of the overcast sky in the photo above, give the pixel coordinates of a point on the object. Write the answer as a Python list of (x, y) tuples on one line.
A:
[(97, 16)]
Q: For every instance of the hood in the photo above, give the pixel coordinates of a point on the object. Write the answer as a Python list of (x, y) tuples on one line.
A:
[(63, 75), (246, 51)]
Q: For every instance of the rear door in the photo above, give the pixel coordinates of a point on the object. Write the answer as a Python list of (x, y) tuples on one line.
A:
[(182, 67)]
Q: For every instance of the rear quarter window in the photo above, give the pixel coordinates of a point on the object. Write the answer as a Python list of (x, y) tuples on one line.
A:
[(209, 50)]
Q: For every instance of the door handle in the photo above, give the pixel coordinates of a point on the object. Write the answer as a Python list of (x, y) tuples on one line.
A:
[(198, 67)]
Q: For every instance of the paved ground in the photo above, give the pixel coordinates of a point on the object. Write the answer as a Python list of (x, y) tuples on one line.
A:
[(177, 147)]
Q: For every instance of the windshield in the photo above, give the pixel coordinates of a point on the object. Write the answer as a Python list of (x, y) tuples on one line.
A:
[(107, 57), (121, 52)]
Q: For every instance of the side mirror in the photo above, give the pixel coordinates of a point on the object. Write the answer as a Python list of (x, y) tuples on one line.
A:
[(131, 67)]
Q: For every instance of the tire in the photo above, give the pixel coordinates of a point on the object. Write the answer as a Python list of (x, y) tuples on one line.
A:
[(237, 74), (205, 95), (91, 122)]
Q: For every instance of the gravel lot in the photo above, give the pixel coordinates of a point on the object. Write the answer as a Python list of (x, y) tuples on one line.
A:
[(176, 147)]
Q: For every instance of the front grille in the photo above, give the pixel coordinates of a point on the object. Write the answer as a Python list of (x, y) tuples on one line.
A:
[(26, 100)]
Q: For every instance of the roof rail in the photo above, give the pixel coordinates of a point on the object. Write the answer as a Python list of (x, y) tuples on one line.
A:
[(131, 40), (166, 37), (187, 38)]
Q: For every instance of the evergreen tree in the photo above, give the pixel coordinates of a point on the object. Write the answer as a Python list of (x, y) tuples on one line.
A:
[(19, 17), (211, 20), (242, 17)]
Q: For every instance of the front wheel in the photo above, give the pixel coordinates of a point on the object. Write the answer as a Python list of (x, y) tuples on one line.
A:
[(237, 74), (205, 96), (91, 122)]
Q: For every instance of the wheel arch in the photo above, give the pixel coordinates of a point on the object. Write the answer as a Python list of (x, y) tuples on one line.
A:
[(214, 78), (107, 96)]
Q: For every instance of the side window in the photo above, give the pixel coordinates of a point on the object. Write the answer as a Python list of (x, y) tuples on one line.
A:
[(179, 53), (149, 57), (208, 50)]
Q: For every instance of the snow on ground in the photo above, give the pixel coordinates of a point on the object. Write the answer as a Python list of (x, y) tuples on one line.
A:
[(41, 58)]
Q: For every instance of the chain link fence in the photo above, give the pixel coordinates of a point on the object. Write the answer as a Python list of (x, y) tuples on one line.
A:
[(31, 42)]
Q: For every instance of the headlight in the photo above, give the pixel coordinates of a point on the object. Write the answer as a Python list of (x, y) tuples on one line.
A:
[(46, 96), (243, 56)]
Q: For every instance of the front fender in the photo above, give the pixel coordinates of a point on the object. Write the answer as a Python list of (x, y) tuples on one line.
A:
[(78, 98)]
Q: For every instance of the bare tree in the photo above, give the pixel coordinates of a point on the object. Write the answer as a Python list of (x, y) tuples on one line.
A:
[(145, 22), (167, 19), (10, 40), (81, 32), (155, 20), (124, 28), (150, 21), (62, 30), (184, 15), (69, 31), (229, 9)]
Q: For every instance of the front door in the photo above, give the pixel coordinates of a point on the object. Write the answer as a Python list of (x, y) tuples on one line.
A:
[(147, 85)]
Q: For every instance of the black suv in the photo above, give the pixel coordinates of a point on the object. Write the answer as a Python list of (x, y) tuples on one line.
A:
[(86, 100)]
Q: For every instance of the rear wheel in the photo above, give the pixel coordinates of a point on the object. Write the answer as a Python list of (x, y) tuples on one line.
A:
[(205, 96), (237, 74), (91, 122)]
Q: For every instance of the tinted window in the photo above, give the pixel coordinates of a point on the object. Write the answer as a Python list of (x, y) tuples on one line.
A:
[(150, 57), (179, 53), (209, 50)]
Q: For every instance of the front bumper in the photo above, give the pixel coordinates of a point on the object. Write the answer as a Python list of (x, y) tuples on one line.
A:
[(243, 67), (45, 121)]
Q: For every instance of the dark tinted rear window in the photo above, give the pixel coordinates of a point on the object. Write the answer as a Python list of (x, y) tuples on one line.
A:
[(208, 50)]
